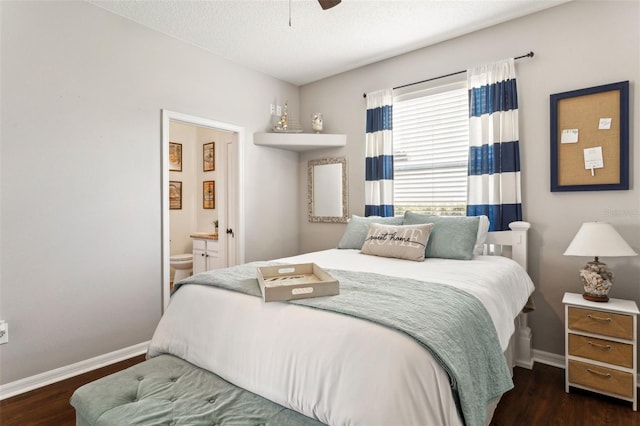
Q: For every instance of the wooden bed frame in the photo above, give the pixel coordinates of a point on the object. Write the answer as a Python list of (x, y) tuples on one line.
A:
[(513, 244)]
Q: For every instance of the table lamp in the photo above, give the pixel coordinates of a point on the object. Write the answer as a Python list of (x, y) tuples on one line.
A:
[(597, 239)]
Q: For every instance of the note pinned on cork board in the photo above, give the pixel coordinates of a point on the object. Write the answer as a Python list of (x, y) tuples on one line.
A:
[(604, 124), (569, 136), (593, 159)]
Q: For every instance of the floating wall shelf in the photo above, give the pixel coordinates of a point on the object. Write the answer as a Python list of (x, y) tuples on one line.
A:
[(299, 141)]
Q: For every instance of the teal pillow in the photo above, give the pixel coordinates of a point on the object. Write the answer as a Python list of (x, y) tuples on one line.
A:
[(452, 237), (358, 227)]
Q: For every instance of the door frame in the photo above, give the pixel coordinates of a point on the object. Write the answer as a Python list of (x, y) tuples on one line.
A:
[(236, 185)]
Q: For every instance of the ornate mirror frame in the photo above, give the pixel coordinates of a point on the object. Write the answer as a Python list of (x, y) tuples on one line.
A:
[(327, 194)]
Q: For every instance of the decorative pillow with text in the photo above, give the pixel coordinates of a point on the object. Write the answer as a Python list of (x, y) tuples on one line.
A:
[(401, 241)]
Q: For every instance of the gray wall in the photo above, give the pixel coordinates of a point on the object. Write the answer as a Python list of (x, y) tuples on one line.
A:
[(82, 94), (576, 45)]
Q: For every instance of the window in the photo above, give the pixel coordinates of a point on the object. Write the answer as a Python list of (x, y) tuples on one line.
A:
[(431, 148)]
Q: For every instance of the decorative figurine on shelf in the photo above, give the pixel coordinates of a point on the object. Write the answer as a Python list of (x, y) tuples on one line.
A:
[(282, 125), (285, 124), (316, 121)]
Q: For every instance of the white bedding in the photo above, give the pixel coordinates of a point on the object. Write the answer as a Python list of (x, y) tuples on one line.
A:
[(498, 282), (368, 375)]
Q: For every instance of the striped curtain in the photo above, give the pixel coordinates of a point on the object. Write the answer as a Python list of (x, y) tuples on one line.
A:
[(494, 154), (379, 154)]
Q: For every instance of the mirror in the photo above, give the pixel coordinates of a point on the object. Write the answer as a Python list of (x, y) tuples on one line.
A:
[(327, 195)]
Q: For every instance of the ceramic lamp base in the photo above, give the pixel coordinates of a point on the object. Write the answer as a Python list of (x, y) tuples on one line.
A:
[(597, 280)]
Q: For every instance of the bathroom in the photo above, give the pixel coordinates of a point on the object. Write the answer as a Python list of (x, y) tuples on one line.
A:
[(196, 179)]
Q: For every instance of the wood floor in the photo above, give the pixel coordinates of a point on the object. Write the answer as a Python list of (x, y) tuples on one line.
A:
[(49, 405), (538, 399)]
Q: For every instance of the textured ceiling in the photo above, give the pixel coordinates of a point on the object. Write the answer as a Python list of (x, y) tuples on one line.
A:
[(318, 43)]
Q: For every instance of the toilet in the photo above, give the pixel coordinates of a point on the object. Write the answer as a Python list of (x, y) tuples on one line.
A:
[(183, 264)]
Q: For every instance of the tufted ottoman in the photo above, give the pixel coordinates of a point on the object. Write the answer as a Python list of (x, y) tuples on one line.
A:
[(167, 390)]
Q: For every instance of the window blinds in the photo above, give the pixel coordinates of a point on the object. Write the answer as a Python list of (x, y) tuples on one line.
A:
[(431, 147)]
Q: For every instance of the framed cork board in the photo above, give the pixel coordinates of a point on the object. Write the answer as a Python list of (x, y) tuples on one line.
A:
[(590, 139)]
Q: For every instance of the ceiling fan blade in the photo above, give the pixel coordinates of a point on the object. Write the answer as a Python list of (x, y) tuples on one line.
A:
[(328, 4)]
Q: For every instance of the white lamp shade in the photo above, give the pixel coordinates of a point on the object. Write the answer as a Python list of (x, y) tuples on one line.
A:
[(598, 239)]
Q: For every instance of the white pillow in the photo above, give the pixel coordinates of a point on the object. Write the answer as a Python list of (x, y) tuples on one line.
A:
[(399, 241), (483, 231)]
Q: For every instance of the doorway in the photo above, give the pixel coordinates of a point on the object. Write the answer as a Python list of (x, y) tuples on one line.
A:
[(228, 191)]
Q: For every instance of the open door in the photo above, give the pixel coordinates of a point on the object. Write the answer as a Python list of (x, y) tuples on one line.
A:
[(229, 187)]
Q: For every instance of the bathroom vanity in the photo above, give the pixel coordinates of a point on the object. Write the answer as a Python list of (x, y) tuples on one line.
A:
[(205, 252)]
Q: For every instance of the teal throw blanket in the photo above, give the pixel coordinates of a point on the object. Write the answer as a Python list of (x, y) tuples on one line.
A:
[(452, 324)]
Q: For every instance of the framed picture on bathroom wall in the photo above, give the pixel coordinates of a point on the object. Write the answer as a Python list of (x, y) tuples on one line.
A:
[(175, 157), (175, 195), (209, 194), (209, 157)]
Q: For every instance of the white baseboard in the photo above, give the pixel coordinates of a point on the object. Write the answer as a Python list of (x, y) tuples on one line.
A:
[(548, 358), (30, 383)]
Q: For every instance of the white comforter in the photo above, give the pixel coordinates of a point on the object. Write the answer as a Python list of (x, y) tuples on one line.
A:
[(368, 375)]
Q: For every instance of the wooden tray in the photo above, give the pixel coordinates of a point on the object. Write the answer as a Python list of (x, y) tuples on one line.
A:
[(295, 281)]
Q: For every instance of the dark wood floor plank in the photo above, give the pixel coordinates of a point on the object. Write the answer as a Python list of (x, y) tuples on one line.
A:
[(538, 399), (49, 405)]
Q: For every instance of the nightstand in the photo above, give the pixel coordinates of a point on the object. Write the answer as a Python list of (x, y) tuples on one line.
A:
[(601, 346)]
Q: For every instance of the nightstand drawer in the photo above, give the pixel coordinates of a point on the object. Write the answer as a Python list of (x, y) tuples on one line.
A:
[(599, 322), (601, 350), (601, 378)]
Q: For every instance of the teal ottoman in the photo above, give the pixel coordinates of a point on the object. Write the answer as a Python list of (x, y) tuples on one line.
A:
[(167, 390)]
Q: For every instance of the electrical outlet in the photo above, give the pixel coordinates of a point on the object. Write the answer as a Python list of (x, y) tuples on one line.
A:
[(278, 110), (272, 109), (4, 332)]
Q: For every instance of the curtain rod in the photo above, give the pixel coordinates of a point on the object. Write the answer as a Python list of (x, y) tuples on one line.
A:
[(528, 55)]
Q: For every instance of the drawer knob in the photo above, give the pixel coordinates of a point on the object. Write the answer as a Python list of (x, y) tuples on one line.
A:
[(598, 318), (598, 345), (597, 373)]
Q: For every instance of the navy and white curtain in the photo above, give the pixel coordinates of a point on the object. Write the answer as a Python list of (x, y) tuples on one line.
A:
[(379, 154), (494, 154)]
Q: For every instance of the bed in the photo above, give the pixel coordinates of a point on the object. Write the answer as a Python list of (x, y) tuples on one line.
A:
[(371, 355)]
